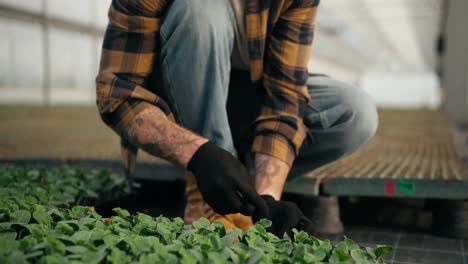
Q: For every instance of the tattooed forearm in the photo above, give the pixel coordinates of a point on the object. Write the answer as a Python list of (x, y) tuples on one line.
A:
[(151, 131), (271, 174), (266, 167)]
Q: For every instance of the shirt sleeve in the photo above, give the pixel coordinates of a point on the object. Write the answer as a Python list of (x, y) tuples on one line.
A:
[(279, 130), (129, 50)]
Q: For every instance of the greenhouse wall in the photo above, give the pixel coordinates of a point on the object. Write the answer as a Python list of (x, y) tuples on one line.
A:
[(49, 50), (455, 61)]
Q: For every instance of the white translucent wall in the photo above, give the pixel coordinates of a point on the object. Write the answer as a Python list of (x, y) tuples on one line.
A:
[(403, 89), (81, 11), (28, 5), (385, 47), (73, 56), (72, 67), (21, 61)]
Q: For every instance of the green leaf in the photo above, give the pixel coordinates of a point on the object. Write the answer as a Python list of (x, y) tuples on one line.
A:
[(34, 254), (87, 221), (16, 257), (301, 237), (5, 226), (339, 257), (148, 259), (121, 212), (265, 223), (139, 245), (359, 256), (33, 174), (201, 223), (42, 217), (51, 259), (350, 244), (255, 257), (228, 239), (76, 249), (166, 234), (64, 228), (371, 252), (55, 213), (145, 219), (111, 240), (56, 245), (74, 224), (37, 231), (117, 256), (27, 243), (20, 216), (92, 257), (30, 199), (79, 212), (7, 246), (81, 236), (8, 234), (381, 251), (342, 246), (318, 255)]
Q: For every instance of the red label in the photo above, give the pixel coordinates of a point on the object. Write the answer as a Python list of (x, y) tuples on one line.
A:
[(390, 188)]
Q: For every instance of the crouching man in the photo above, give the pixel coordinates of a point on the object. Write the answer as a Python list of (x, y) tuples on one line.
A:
[(221, 88)]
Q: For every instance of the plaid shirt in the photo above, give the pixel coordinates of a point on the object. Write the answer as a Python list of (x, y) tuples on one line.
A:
[(280, 34)]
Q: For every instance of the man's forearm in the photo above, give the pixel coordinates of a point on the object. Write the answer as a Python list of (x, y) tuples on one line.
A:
[(151, 131), (270, 175)]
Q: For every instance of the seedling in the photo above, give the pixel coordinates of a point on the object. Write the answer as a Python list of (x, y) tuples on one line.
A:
[(42, 221)]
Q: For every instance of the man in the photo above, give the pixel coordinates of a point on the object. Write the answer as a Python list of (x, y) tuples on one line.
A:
[(233, 75)]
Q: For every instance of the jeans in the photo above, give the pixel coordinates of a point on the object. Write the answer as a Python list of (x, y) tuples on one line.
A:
[(209, 98)]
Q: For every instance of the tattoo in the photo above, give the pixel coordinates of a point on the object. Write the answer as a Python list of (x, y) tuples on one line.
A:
[(139, 121), (267, 167), (271, 174), (151, 131)]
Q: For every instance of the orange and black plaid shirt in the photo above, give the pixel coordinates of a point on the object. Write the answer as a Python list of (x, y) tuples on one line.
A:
[(280, 34)]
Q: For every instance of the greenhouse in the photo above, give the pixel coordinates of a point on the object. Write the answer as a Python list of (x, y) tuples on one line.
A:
[(240, 131)]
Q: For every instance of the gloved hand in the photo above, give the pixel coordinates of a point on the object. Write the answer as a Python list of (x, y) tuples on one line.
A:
[(284, 216), (224, 182)]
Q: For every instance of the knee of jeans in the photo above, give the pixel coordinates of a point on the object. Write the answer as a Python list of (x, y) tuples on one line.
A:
[(199, 20), (364, 118)]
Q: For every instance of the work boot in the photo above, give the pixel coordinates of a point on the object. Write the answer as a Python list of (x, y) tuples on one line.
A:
[(324, 212), (197, 208)]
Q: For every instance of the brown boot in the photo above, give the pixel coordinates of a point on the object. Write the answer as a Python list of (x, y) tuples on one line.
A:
[(197, 208), (240, 221)]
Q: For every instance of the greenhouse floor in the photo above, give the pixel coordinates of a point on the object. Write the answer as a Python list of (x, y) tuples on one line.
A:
[(413, 247), (413, 155)]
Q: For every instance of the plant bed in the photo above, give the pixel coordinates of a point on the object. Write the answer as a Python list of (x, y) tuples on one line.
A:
[(42, 221), (152, 198)]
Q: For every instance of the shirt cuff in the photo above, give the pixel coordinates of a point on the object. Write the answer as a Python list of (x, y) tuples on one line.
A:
[(274, 145)]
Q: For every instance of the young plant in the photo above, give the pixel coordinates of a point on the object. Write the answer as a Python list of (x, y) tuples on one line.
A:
[(39, 224)]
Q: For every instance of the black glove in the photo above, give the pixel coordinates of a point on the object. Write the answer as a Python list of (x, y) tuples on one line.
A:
[(224, 182), (284, 216)]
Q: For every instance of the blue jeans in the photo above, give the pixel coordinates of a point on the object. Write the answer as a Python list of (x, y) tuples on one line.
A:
[(211, 99)]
